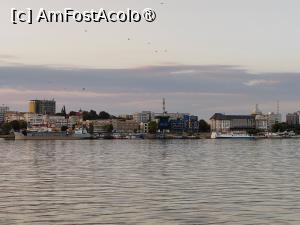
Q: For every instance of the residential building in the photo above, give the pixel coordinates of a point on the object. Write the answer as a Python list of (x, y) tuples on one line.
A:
[(57, 121), (126, 116), (42, 107), (262, 122), (292, 119), (184, 123), (273, 118), (35, 120), (177, 125), (222, 123), (74, 120), (100, 126), (144, 127), (172, 116), (193, 124), (11, 116), (3, 110), (125, 126), (143, 117)]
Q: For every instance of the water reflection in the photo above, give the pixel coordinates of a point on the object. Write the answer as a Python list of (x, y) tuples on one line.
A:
[(150, 182)]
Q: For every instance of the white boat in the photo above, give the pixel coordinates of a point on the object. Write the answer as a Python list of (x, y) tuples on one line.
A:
[(281, 135), (231, 135)]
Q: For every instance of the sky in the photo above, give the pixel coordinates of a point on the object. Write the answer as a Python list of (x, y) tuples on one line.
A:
[(203, 56)]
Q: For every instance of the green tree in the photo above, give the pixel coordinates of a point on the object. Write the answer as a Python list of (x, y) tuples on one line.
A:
[(6, 128), (23, 124), (104, 115), (204, 126), (85, 115), (281, 127), (152, 127), (91, 128), (64, 128), (72, 113), (108, 128), (15, 124), (64, 112), (93, 115), (253, 131)]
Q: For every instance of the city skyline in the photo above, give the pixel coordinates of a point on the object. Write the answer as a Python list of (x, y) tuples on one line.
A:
[(186, 88), (202, 56)]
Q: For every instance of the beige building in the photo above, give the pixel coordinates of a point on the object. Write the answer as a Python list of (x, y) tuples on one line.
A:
[(75, 120), (56, 121), (144, 127), (223, 123), (35, 120), (143, 117), (126, 116), (11, 116), (100, 126), (125, 126), (262, 122)]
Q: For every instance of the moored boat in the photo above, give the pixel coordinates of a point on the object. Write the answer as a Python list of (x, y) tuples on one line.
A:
[(231, 135), (79, 134)]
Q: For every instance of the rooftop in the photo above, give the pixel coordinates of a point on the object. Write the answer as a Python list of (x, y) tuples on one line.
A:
[(221, 116)]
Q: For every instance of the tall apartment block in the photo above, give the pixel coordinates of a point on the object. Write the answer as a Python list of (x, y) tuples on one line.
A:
[(42, 107)]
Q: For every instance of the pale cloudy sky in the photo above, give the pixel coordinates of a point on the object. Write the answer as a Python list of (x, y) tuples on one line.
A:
[(205, 56)]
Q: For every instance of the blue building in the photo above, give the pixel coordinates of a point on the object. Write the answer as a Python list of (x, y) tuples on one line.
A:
[(187, 123)]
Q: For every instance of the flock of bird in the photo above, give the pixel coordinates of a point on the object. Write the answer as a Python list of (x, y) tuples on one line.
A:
[(129, 39)]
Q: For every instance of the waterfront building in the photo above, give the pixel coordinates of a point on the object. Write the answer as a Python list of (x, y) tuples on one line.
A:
[(125, 126), (292, 119), (3, 110), (184, 123), (42, 107), (224, 123), (100, 126)]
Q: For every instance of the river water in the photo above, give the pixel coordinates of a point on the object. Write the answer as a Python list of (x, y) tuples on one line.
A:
[(150, 182)]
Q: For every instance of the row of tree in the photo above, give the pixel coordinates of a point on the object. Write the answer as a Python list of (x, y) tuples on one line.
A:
[(16, 125), (281, 127), (92, 115), (87, 115), (278, 127)]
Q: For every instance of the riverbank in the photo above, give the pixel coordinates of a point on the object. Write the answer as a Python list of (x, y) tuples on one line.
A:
[(8, 137)]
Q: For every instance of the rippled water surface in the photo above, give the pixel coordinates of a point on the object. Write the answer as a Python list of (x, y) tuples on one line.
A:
[(150, 182)]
